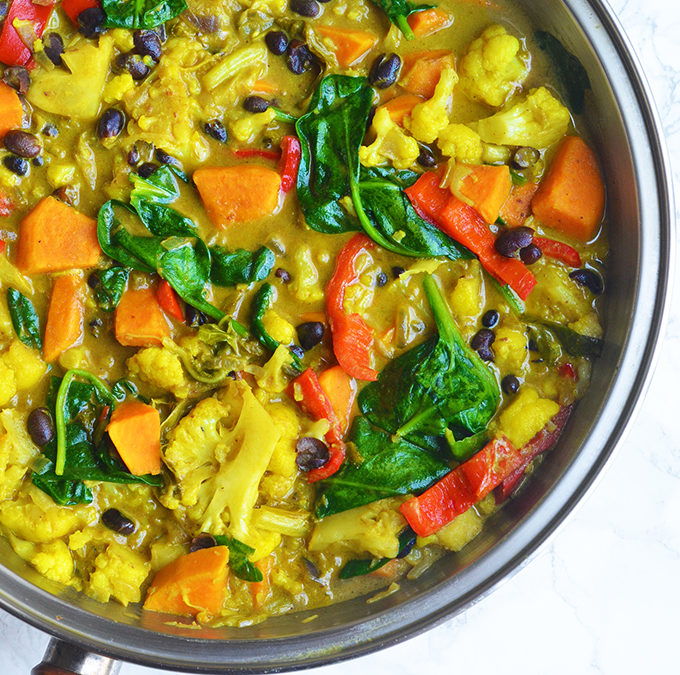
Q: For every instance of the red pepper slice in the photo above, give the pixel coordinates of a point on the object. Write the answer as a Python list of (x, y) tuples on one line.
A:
[(13, 51), (247, 153), (352, 337), (3, 245), (168, 300), (559, 251), (567, 370), (73, 8), (291, 151), (462, 223), (307, 391)]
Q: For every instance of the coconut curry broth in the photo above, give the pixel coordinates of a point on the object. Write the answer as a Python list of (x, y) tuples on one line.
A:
[(239, 441)]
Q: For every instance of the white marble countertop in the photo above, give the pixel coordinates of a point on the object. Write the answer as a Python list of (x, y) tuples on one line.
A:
[(603, 596)]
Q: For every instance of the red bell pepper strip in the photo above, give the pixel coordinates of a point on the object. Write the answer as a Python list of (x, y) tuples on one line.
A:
[(306, 390), (462, 223), (3, 245), (247, 153), (567, 370), (73, 8), (352, 337), (542, 441), (559, 251), (13, 51), (168, 300), (291, 151)]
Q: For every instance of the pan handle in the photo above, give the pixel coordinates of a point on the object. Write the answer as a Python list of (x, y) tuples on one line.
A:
[(62, 658)]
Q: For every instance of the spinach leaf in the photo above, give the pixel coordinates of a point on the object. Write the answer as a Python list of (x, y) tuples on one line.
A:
[(330, 134), (160, 187), (570, 70), (390, 465), (141, 13), (110, 289), (238, 558), (357, 568), (398, 10), (240, 266), (24, 318), (547, 333)]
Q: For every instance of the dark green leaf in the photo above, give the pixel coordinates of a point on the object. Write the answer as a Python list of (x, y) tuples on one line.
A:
[(238, 558), (574, 343), (358, 568), (24, 318), (109, 292), (160, 187), (398, 10), (570, 70), (466, 447), (141, 13), (240, 266)]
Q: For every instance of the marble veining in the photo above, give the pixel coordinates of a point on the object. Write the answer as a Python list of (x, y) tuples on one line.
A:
[(602, 597)]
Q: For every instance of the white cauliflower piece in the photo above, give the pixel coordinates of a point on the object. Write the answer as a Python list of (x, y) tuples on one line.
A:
[(493, 67), (161, 368), (391, 144), (461, 143), (430, 117)]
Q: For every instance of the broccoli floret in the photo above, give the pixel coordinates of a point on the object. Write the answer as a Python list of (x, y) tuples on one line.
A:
[(462, 143), (493, 67), (430, 117), (538, 121), (391, 144)]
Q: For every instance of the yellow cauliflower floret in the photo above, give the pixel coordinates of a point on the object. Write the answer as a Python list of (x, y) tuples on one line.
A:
[(391, 144), (492, 68), (510, 350), (282, 461), (462, 143), (538, 120), (17, 452), (119, 573), (556, 297), (305, 276), (272, 377), (466, 298), (54, 561), (588, 324), (117, 87), (161, 368), (526, 416), (429, 118), (281, 330), (246, 129), (8, 383), (373, 528), (26, 363)]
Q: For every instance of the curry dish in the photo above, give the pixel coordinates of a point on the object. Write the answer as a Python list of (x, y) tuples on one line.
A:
[(295, 295)]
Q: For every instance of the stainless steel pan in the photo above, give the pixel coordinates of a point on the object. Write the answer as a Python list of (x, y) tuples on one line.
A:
[(625, 129)]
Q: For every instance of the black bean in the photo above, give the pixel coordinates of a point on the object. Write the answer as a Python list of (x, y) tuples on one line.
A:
[(40, 426), (490, 318), (426, 157), (94, 281), (510, 384), (194, 317), (256, 104), (37, 161), (96, 327), (482, 338), (91, 22), (397, 271), (203, 540), (533, 345), (50, 130), (110, 123), (308, 8), (67, 194), (525, 157), (277, 42), (53, 46), (380, 279), (133, 156), (298, 351), (16, 165), (588, 278), (485, 353), (147, 43), (385, 71), (147, 169), (310, 334), (22, 143), (215, 129), (312, 569), (282, 274), (18, 78), (131, 63), (512, 240), (298, 57), (530, 254), (116, 521), (165, 158), (311, 453)]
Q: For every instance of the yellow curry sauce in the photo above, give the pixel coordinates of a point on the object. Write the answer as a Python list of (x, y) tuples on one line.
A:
[(123, 119)]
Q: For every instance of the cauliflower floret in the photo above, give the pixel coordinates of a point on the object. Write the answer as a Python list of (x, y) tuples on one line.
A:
[(54, 561), (8, 383), (556, 297), (282, 461), (462, 143), (466, 299), (17, 451), (272, 377), (391, 144), (510, 349), (306, 277), (161, 368), (26, 363), (526, 416), (281, 330), (373, 528), (247, 129), (430, 117), (119, 572), (493, 67), (465, 527), (539, 120)]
